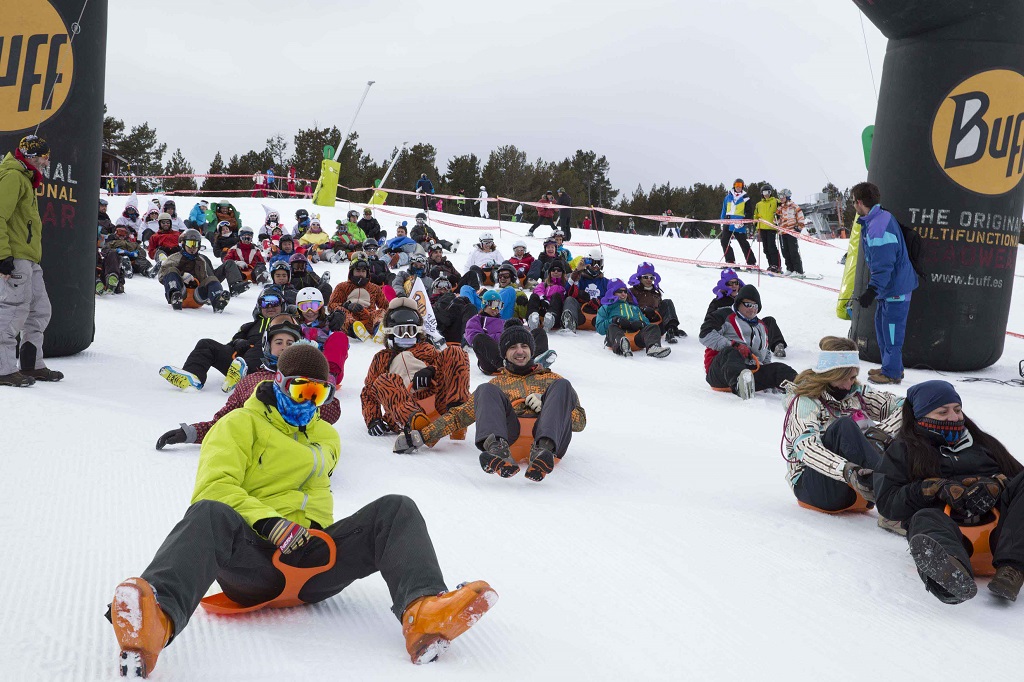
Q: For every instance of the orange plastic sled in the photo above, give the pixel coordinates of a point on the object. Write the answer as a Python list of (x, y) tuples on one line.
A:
[(860, 506), (430, 408), (981, 547), (189, 299), (723, 389), (294, 580), (520, 449)]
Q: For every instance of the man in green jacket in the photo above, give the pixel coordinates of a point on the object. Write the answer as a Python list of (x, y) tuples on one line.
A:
[(24, 305), (262, 483), (764, 212)]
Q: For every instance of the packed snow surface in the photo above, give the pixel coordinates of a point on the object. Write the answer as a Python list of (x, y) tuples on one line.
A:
[(666, 546)]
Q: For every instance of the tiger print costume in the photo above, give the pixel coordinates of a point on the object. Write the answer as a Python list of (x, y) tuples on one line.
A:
[(371, 297), (386, 389)]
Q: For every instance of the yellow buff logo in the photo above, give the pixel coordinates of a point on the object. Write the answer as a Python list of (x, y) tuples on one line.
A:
[(36, 64), (977, 132)]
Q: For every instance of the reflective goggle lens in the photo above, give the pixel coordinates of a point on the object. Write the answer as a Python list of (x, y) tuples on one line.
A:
[(405, 331), (245, 238), (493, 304), (269, 301), (301, 389), (310, 305), (191, 243)]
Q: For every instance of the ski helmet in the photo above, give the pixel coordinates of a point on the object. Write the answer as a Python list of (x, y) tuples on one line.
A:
[(298, 258), (279, 265), (370, 244), (190, 235), (308, 295), (508, 268), (358, 263), (739, 181), (766, 189), (350, 214), (785, 194), (517, 244), (491, 296), (434, 246), (486, 237), (421, 217), (402, 320), (418, 263), (270, 296), (301, 214), (286, 238), (441, 283), (222, 224), (246, 232), (282, 324), (556, 233), (163, 218)]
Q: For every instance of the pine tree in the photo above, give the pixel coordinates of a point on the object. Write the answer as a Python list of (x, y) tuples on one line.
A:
[(178, 165), (213, 186), (144, 152), (507, 173), (463, 173)]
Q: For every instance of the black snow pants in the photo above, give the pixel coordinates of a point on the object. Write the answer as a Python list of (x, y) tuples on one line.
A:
[(771, 251), (791, 253), (727, 365), (496, 416), (741, 239), (649, 335), (844, 437)]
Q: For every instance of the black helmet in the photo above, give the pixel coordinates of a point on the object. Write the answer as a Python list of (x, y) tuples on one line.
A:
[(370, 243), (286, 326), (507, 267), (421, 216), (359, 262), (301, 214), (402, 320)]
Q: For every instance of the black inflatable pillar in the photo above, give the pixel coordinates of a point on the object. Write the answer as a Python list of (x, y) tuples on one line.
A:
[(51, 81), (948, 157)]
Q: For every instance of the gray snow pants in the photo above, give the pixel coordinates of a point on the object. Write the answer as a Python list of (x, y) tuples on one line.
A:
[(213, 542), (495, 415), (25, 308)]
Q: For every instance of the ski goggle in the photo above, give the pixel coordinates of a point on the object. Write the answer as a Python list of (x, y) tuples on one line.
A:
[(245, 237), (310, 305), (406, 331), (494, 305), (191, 243), (486, 242), (442, 285), (504, 276), (269, 301), (593, 261), (303, 389)]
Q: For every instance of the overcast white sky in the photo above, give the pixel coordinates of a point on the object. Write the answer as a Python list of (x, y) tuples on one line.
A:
[(682, 91)]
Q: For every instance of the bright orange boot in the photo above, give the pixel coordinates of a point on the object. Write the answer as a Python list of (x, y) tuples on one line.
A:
[(140, 625), (431, 623)]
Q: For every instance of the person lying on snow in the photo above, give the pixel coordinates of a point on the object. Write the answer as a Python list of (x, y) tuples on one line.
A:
[(836, 430), (725, 297), (736, 354), (483, 332), (645, 285), (522, 388), (246, 507), (362, 303), (185, 269), (544, 307), (588, 285), (941, 458), (282, 332), (232, 359), (619, 314), (408, 370)]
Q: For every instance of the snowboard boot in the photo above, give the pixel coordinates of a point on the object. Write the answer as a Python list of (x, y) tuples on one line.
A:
[(112, 281), (180, 378), (625, 350), (219, 301), (238, 288), (672, 335), (431, 623), (568, 321), (378, 335), (549, 321), (496, 458), (657, 351), (745, 385), (780, 350), (236, 371), (943, 575), (359, 329), (101, 288), (325, 278), (27, 356), (141, 627), (546, 359), (176, 299), (1006, 583), (542, 459), (533, 321), (16, 379)]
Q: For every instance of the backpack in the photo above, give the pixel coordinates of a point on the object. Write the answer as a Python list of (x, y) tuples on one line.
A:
[(914, 246)]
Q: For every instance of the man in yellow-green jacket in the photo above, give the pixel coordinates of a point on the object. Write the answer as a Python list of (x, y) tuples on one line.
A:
[(263, 481), (764, 213), (24, 305)]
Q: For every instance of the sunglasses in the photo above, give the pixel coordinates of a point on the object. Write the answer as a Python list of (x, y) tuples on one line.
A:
[(650, 277), (269, 301), (749, 305), (733, 283), (191, 244), (310, 305), (405, 331), (303, 389)]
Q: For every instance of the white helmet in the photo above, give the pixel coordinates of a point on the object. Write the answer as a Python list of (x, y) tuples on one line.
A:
[(518, 243), (486, 237), (309, 294), (482, 187), (596, 254)]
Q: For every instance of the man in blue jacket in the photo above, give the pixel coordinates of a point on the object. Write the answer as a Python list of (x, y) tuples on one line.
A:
[(892, 279), (424, 187)]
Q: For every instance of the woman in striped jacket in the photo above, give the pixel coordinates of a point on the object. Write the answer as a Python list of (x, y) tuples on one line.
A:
[(836, 429)]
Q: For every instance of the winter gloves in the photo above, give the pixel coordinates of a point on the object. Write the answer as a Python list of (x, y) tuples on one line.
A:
[(336, 320), (172, 437), (534, 401), (240, 346), (867, 298), (287, 535), (422, 378), (972, 497), (627, 325), (352, 306), (878, 438), (377, 427), (743, 349), (649, 312), (187, 278), (7, 266), (859, 479)]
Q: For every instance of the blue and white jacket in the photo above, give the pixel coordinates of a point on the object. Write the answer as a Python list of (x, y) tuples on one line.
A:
[(734, 206), (885, 251)]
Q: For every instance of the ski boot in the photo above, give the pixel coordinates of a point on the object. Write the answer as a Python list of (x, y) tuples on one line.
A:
[(359, 329), (325, 278), (141, 627), (780, 350), (16, 379), (219, 301), (568, 321), (546, 359), (431, 623), (745, 385), (238, 288), (176, 299), (496, 458), (112, 281), (236, 371), (542, 459), (181, 378), (101, 288)]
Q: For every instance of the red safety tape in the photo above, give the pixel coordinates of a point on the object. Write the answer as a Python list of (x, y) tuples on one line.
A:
[(1015, 335)]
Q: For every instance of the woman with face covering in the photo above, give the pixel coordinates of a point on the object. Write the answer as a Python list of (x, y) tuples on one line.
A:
[(836, 429), (941, 459)]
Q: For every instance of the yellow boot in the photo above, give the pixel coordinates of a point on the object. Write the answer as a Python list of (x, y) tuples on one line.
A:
[(140, 625), (431, 623)]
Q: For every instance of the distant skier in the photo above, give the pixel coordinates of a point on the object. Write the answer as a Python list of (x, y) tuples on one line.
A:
[(791, 217), (765, 212), (424, 187), (668, 229), (545, 215), (482, 200), (565, 213), (734, 206)]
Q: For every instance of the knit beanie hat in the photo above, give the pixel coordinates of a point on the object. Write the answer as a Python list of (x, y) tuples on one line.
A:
[(302, 360), (929, 395), (748, 292), (513, 334)]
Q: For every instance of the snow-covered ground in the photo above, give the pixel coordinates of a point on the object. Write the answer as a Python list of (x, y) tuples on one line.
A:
[(666, 546)]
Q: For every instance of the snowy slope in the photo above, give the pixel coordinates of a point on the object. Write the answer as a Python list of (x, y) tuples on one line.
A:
[(667, 545)]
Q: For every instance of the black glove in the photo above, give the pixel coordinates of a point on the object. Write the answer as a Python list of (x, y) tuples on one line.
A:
[(982, 494), (172, 437), (648, 312), (422, 378), (377, 427), (867, 298), (859, 479), (7, 266), (878, 438), (287, 535), (632, 325), (352, 306), (239, 346), (336, 320), (616, 321), (950, 492), (744, 349)]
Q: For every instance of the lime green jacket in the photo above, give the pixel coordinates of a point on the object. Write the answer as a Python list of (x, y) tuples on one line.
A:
[(765, 210), (21, 229), (262, 467)]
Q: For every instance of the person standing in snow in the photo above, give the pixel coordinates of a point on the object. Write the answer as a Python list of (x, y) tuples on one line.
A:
[(545, 215), (482, 200), (271, 187), (24, 303), (565, 213), (423, 188), (247, 508), (734, 206), (836, 430), (791, 217), (764, 212)]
